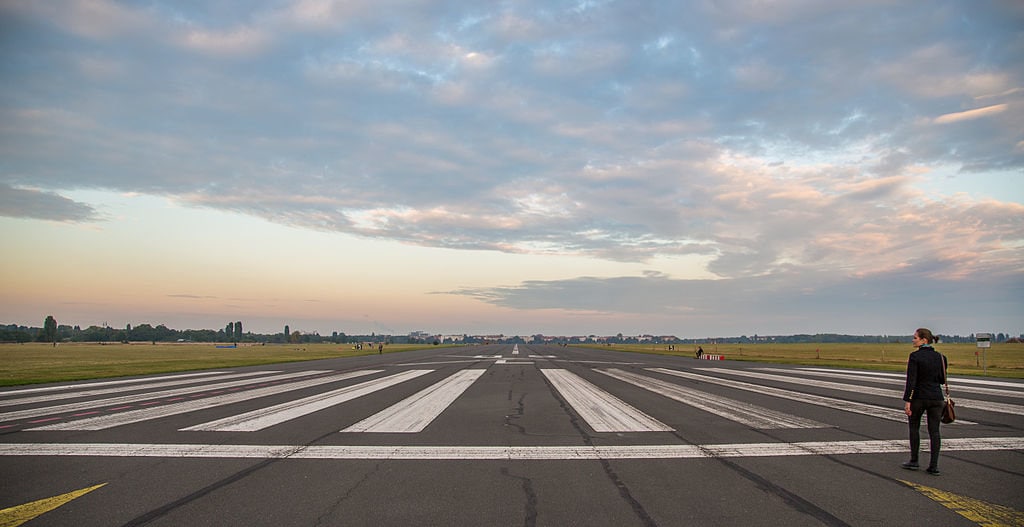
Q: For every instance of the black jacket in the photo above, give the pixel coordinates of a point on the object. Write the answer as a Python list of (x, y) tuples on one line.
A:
[(926, 372)]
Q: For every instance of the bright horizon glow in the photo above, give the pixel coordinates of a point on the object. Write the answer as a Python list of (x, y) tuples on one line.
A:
[(207, 265)]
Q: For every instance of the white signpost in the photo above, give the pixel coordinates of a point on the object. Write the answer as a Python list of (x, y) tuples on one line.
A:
[(984, 342)]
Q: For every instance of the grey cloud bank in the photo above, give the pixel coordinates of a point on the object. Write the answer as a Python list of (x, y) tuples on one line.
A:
[(814, 152), (886, 303), (40, 205)]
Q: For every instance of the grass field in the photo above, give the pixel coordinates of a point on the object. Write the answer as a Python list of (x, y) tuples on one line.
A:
[(1001, 360), (33, 363)]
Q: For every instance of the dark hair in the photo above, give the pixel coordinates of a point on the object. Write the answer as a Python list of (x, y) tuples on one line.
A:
[(926, 334)]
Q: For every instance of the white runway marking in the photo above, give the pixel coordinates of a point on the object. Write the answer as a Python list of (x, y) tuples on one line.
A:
[(747, 414), (892, 414), (413, 414), (513, 361), (73, 407), (88, 385), (1019, 394), (145, 414), (503, 453), (601, 410), (122, 389), (954, 379), (603, 362), (974, 404), (436, 363), (266, 417)]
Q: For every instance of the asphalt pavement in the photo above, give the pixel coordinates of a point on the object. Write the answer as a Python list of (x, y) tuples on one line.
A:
[(504, 435)]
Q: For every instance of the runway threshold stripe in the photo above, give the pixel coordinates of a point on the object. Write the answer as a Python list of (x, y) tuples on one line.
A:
[(95, 403), (504, 453), (88, 385), (988, 406), (601, 410), (122, 389), (273, 415), (960, 388), (413, 414), (135, 416), (881, 412), (751, 415), (956, 380)]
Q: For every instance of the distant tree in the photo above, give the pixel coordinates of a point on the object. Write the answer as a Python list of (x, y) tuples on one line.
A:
[(295, 337), (238, 331), (287, 333), (229, 331), (142, 332), (50, 329)]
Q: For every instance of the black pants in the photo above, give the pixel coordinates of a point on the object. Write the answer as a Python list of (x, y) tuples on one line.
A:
[(934, 410)]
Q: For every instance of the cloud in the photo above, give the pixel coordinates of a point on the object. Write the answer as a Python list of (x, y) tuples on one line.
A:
[(94, 19), (776, 304), (795, 138), (40, 205), (241, 41), (968, 115)]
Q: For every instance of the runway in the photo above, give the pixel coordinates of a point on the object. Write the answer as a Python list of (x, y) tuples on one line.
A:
[(503, 435)]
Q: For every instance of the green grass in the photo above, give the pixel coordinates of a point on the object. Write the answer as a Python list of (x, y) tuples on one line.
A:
[(1003, 360), (33, 363)]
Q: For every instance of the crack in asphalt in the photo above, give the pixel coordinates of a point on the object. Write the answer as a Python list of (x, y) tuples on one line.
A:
[(793, 500), (530, 516), (223, 482), (518, 412), (161, 511), (624, 493), (329, 512)]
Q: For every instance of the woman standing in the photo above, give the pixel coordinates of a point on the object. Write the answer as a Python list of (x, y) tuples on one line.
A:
[(926, 372)]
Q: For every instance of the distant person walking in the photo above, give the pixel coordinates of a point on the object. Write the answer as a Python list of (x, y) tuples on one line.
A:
[(700, 351), (380, 349), (926, 372)]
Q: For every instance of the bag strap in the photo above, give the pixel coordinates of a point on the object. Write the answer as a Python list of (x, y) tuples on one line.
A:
[(945, 374)]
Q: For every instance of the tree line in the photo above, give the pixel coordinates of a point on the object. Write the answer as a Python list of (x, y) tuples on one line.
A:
[(233, 332)]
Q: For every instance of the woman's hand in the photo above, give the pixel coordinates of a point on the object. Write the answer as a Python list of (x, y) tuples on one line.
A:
[(906, 409)]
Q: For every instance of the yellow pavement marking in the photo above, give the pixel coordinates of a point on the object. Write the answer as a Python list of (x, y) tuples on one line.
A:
[(14, 516), (980, 512)]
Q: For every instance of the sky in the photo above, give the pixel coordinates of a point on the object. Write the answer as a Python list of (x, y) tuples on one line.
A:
[(698, 169)]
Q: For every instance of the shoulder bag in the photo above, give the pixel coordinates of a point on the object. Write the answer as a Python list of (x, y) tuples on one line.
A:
[(948, 411)]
